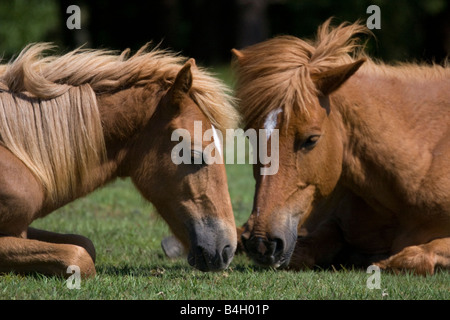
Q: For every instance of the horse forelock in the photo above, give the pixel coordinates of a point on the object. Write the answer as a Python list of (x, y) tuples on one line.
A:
[(277, 72), (215, 99)]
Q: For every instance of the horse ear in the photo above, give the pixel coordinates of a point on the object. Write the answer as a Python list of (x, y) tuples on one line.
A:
[(183, 81), (330, 80), (237, 54)]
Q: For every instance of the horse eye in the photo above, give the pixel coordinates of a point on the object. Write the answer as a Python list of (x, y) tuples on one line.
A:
[(197, 158), (310, 142)]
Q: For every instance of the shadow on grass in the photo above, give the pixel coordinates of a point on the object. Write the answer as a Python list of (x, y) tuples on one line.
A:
[(179, 267), (142, 271), (172, 268)]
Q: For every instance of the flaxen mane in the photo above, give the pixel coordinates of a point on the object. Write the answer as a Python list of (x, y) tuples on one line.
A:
[(49, 116)]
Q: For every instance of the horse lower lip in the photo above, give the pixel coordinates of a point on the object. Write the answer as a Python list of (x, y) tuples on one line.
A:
[(277, 264), (265, 261), (271, 262)]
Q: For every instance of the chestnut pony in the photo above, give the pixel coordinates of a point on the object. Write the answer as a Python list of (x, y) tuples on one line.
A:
[(364, 155), (72, 123)]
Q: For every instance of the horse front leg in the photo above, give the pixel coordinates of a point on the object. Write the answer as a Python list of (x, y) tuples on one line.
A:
[(23, 249), (420, 259), (54, 237), (25, 256)]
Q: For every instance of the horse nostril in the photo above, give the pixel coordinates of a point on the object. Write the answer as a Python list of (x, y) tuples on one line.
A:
[(227, 254), (279, 246)]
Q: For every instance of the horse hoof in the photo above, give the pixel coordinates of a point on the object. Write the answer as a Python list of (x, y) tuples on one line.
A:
[(172, 247)]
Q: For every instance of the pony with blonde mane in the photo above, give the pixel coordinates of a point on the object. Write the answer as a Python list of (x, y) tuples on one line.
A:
[(72, 123), (364, 154)]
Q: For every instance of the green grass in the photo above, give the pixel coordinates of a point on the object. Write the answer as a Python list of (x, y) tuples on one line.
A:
[(131, 264)]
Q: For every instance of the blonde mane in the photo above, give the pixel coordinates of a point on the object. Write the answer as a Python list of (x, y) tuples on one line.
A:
[(49, 116)]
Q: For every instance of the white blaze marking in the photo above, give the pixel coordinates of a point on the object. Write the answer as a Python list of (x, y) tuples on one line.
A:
[(269, 125), (271, 121), (217, 141)]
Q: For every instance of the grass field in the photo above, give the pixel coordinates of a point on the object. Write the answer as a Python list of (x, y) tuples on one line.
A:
[(131, 265)]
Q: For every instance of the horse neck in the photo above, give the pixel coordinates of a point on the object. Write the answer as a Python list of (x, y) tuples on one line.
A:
[(124, 114), (382, 153)]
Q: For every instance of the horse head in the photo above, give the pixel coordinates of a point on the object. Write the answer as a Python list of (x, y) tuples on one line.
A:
[(191, 196), (279, 90)]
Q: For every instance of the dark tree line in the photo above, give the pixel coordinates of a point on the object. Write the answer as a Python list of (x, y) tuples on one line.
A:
[(208, 29)]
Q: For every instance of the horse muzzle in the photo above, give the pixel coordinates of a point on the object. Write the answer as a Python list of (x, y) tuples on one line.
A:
[(212, 246), (205, 259), (272, 250)]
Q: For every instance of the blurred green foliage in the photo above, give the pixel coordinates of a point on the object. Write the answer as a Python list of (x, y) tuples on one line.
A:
[(26, 21)]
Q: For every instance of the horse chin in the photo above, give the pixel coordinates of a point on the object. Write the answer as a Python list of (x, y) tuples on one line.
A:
[(264, 252), (282, 263), (278, 265), (198, 258), (212, 244)]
